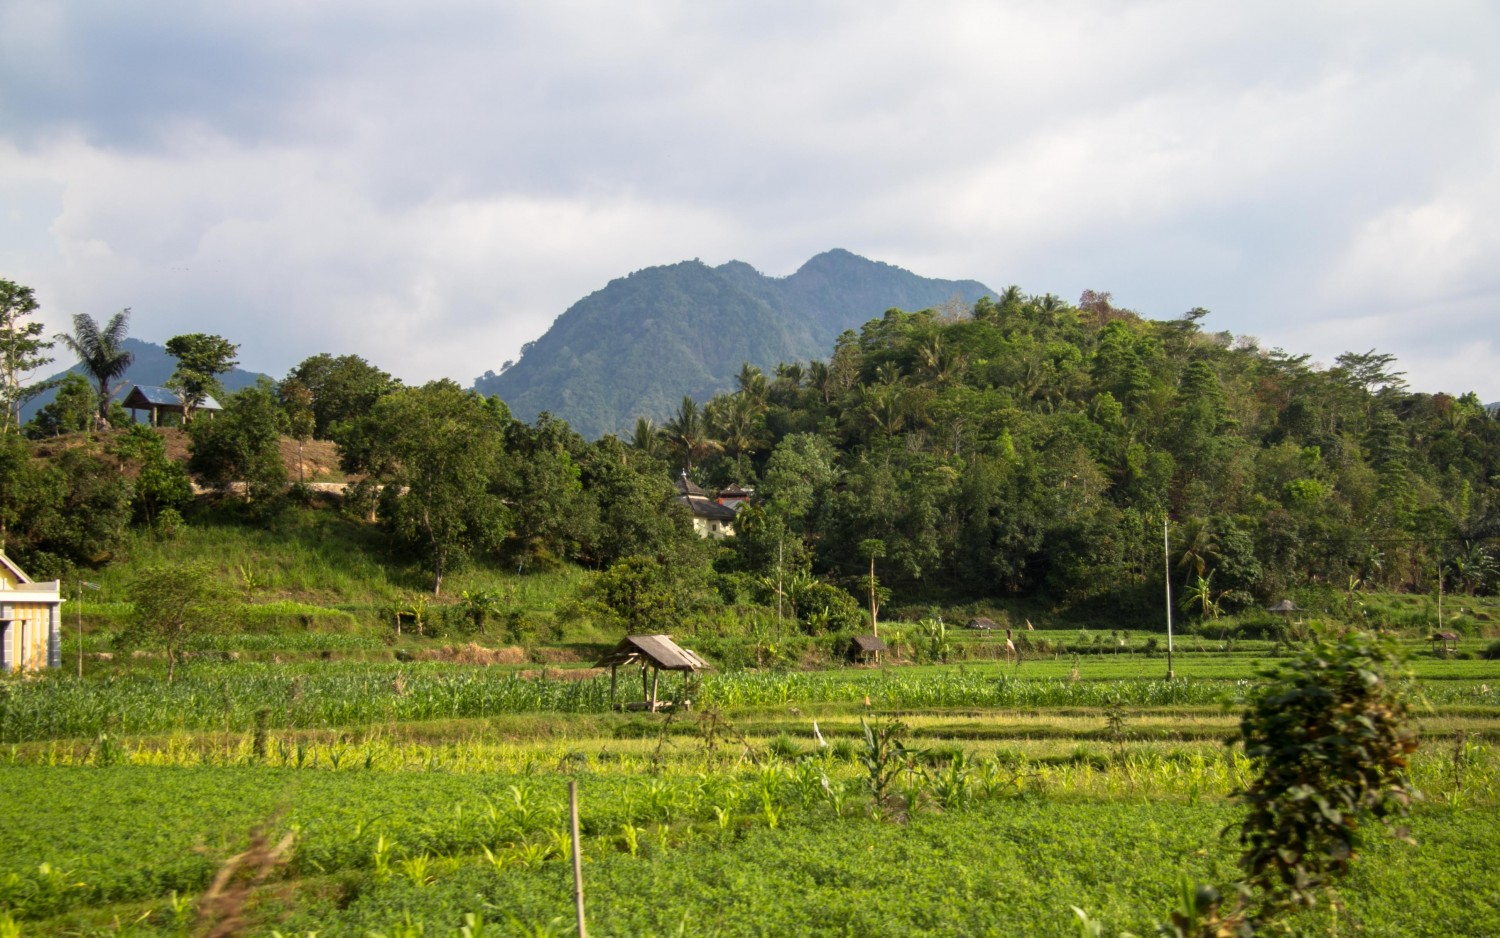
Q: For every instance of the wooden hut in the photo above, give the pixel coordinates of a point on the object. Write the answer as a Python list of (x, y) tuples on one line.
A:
[(1444, 643), (866, 648), (655, 654), (1286, 607), (982, 623)]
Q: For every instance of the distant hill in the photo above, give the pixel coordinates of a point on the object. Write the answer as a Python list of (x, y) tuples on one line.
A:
[(152, 366), (636, 347)]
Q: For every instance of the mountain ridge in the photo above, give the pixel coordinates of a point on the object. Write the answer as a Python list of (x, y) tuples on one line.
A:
[(641, 343)]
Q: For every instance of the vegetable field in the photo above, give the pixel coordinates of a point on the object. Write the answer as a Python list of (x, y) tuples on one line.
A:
[(431, 799)]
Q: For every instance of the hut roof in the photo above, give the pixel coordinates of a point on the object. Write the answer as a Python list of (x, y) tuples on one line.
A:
[(1286, 605), (144, 396), (686, 486), (659, 650), (869, 643), (1446, 636), (704, 508), (981, 623)]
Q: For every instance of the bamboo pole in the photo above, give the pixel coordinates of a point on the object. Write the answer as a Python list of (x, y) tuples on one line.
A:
[(577, 856)]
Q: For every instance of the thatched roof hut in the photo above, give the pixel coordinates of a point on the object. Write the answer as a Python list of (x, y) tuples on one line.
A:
[(866, 647), (1285, 607), (982, 623)]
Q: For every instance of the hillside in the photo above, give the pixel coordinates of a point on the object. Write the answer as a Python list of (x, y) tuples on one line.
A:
[(152, 366), (637, 346)]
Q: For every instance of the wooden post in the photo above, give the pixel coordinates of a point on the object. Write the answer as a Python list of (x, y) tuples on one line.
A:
[(612, 673), (655, 676), (645, 683), (577, 856)]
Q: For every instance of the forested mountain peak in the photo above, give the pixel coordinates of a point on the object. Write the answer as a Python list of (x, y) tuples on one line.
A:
[(641, 343)]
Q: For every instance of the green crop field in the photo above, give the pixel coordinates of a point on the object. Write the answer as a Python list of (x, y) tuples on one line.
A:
[(429, 798)]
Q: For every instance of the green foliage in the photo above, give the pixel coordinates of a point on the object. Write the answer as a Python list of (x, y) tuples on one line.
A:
[(172, 604), (200, 360), (22, 351), (241, 445), (339, 390), (67, 511), (437, 451), (100, 350), (1329, 738), (71, 410), (161, 484)]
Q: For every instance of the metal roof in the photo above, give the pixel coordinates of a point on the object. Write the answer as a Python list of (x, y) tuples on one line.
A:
[(658, 650), (149, 396)]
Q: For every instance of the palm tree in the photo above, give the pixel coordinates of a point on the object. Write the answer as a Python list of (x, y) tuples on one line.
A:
[(737, 422), (100, 353), (687, 433), (646, 438)]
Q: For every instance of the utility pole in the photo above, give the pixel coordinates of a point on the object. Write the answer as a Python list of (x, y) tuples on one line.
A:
[(1166, 556)]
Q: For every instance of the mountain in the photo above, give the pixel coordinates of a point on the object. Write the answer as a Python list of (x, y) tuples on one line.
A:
[(636, 347), (151, 366)]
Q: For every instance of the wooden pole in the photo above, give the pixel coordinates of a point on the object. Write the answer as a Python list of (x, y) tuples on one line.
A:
[(612, 674), (655, 676), (577, 856), (80, 629), (1166, 556)]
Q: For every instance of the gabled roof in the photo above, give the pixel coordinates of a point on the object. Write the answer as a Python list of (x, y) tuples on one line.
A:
[(1286, 605), (16, 571), (686, 486), (659, 650), (707, 508), (144, 395), (869, 643)]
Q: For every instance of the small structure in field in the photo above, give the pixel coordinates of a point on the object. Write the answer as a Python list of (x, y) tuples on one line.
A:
[(983, 624), (655, 654), (1286, 607), (158, 401), (866, 649), (30, 620), (1444, 643)]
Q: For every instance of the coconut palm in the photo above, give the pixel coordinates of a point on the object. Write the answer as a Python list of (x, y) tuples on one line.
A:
[(100, 353), (687, 433)]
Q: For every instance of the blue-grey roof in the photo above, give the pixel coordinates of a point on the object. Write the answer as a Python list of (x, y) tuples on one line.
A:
[(166, 397)]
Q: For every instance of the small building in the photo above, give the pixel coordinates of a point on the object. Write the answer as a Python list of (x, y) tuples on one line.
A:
[(710, 519), (1444, 643), (734, 496), (655, 654), (30, 620), (982, 623), (158, 401), (1286, 607), (866, 648)]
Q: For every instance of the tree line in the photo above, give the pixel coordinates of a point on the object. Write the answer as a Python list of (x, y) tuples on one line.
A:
[(1024, 447)]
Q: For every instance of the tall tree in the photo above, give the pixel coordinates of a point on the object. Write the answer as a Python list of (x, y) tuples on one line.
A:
[(437, 450), (200, 360), (22, 350), (241, 445), (100, 352), (343, 389), (688, 433)]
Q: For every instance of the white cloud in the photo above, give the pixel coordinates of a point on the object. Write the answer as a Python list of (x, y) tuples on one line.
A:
[(431, 187)]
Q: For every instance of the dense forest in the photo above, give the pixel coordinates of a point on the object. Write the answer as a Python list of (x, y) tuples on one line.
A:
[(1024, 448)]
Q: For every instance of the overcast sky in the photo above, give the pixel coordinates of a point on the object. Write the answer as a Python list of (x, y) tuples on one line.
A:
[(430, 185)]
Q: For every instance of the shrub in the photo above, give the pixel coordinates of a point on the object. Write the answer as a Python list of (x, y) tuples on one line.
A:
[(1491, 651)]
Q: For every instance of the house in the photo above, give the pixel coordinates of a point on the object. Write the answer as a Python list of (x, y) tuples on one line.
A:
[(30, 620), (734, 496), (710, 519), (158, 401)]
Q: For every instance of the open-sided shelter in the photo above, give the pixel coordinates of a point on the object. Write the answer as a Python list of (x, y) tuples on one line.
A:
[(655, 654), (158, 401), (30, 620), (866, 648)]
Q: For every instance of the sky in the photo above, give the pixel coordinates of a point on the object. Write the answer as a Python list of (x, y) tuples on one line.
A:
[(430, 185)]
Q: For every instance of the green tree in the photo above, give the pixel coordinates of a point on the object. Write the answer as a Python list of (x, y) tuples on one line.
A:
[(343, 389), (71, 410), (301, 422), (438, 450), (174, 602), (241, 445), (22, 351), (687, 433), (201, 359), (161, 483), (101, 353)]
